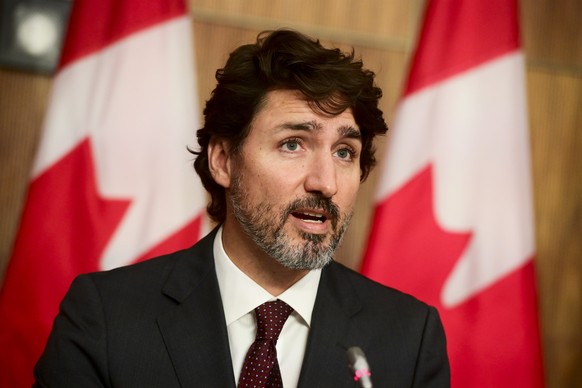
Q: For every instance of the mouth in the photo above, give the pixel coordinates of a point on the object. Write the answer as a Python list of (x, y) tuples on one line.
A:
[(314, 215), (311, 216)]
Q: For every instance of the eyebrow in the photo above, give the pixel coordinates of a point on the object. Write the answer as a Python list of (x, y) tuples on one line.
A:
[(302, 126), (350, 132), (310, 126)]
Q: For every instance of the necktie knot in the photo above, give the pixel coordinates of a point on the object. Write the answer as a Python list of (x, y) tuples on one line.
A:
[(260, 368), (271, 317)]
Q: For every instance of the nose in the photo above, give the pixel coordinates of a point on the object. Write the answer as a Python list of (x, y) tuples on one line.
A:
[(322, 176)]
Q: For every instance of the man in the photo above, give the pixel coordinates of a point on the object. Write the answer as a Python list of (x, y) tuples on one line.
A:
[(288, 137)]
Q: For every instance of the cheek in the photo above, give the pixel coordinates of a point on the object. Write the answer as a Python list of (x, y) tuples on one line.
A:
[(264, 186), (277, 180), (349, 195), (276, 190)]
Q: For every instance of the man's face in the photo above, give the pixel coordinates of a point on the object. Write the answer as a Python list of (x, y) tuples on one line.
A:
[(295, 181)]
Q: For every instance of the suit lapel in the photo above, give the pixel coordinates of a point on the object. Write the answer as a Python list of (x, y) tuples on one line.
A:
[(197, 340), (325, 362), (195, 330)]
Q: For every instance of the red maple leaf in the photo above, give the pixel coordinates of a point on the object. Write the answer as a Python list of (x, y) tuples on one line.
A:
[(180, 239), (64, 229), (493, 337)]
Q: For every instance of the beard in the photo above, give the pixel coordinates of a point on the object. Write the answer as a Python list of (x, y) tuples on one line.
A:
[(266, 230)]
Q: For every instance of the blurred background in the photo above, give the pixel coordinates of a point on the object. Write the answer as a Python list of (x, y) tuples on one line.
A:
[(383, 33)]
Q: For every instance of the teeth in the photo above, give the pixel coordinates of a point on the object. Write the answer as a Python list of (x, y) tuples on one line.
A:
[(312, 217)]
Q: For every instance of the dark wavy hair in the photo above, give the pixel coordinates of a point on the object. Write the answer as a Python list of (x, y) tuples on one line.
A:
[(331, 81)]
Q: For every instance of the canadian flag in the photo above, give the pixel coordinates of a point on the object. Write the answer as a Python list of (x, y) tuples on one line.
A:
[(112, 182), (453, 222)]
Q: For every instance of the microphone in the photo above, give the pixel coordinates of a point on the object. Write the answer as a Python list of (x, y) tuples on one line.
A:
[(359, 366)]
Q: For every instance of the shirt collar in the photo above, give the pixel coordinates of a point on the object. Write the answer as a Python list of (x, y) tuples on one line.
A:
[(240, 294)]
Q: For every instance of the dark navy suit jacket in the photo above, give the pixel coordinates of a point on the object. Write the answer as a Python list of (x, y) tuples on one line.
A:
[(160, 323)]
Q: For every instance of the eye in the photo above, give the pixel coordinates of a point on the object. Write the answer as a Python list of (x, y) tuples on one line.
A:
[(346, 153), (343, 153), (291, 144)]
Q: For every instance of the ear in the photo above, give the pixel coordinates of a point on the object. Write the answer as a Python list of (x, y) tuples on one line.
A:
[(219, 160)]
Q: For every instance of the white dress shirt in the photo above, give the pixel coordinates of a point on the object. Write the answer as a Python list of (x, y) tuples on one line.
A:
[(241, 295)]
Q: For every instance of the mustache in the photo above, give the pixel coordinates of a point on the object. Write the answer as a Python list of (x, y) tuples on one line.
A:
[(316, 202)]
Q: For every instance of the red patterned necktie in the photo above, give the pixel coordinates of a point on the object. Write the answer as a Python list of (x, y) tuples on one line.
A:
[(260, 368)]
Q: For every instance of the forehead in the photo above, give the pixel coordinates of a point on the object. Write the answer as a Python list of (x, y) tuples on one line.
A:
[(284, 107)]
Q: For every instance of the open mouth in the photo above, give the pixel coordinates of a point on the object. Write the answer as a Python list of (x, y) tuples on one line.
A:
[(310, 217)]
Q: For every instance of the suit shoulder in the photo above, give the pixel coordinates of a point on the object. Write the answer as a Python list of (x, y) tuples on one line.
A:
[(158, 268), (153, 267), (377, 293)]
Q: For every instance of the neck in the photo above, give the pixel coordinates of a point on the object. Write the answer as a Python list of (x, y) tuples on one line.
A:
[(255, 263)]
